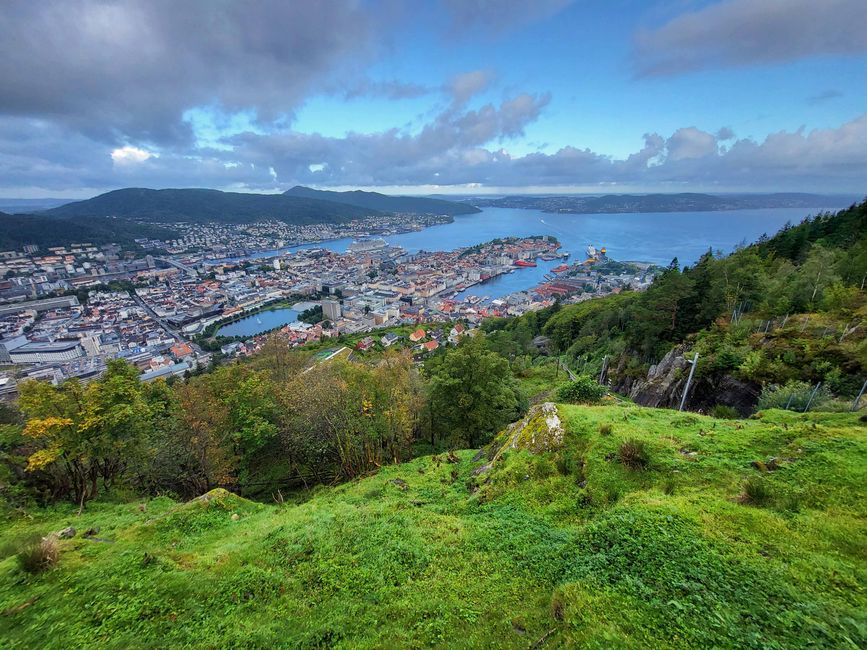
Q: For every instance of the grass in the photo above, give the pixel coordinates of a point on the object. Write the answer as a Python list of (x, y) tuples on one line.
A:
[(541, 380), (570, 545)]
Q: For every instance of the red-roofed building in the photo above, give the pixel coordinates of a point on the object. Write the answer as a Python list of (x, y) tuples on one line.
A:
[(417, 336), (181, 350)]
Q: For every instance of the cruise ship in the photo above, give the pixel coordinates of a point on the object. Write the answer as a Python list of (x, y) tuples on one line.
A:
[(367, 245)]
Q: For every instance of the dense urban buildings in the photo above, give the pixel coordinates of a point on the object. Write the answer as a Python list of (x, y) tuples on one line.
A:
[(167, 306)]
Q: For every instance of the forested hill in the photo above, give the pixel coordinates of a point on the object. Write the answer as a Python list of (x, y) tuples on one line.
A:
[(203, 205), (377, 201), (790, 310), (683, 202), (19, 230), (843, 230)]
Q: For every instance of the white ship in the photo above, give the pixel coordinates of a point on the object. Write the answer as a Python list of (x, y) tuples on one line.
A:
[(367, 245)]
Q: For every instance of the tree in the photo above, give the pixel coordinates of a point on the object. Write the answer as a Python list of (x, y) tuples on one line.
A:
[(472, 393), (83, 436), (658, 317), (345, 419)]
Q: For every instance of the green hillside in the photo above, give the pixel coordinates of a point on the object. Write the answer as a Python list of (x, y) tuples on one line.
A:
[(631, 527), (18, 230), (377, 201), (202, 205)]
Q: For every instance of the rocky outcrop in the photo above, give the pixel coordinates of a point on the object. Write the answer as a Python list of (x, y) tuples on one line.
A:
[(539, 431), (666, 380)]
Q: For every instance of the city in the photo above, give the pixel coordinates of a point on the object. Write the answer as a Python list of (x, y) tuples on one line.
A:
[(67, 311)]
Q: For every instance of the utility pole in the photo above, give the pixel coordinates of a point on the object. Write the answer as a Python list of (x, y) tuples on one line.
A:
[(694, 363)]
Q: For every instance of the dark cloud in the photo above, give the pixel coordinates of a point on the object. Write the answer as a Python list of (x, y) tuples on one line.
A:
[(112, 114), (116, 70), (822, 97), (464, 86), (388, 89), (499, 16), (747, 32), (460, 88)]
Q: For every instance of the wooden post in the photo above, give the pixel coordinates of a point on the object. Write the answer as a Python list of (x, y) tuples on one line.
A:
[(694, 363), (604, 368), (858, 399), (812, 395)]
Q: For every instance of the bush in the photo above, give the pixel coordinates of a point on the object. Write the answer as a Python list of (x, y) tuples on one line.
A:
[(37, 554), (756, 492), (724, 412), (605, 429), (633, 454), (583, 390), (794, 395)]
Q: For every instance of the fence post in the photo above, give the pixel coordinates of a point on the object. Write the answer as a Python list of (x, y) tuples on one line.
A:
[(858, 399), (812, 395), (694, 363)]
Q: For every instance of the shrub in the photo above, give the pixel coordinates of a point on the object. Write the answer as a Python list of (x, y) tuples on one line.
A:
[(583, 390), (36, 554), (669, 487), (633, 454), (756, 492), (794, 395), (605, 429), (724, 412)]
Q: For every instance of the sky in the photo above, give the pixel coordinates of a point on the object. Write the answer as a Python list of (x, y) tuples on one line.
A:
[(433, 96)]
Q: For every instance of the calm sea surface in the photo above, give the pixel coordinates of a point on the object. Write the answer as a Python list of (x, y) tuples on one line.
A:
[(643, 237)]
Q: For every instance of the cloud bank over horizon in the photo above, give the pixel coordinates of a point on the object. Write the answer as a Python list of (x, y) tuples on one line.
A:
[(99, 95)]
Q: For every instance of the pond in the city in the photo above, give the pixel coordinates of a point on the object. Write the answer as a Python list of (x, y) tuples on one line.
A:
[(259, 322)]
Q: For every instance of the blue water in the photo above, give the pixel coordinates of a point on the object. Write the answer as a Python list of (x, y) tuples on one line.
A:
[(642, 237), (258, 323), (645, 237)]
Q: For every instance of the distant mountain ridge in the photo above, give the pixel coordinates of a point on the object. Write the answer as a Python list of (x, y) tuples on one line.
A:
[(13, 206), (683, 202), (384, 202), (203, 205)]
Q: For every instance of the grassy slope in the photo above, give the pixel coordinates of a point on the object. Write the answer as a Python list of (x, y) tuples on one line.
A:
[(572, 544)]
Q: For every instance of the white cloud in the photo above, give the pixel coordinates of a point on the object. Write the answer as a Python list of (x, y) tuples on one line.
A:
[(131, 155)]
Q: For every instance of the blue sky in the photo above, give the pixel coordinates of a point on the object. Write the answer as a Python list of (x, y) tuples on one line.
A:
[(582, 56), (449, 96)]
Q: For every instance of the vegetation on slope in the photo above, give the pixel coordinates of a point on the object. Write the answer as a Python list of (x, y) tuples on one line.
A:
[(569, 545), (19, 230)]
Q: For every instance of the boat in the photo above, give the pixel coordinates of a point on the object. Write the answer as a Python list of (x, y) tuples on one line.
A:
[(367, 245), (561, 268), (524, 263)]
